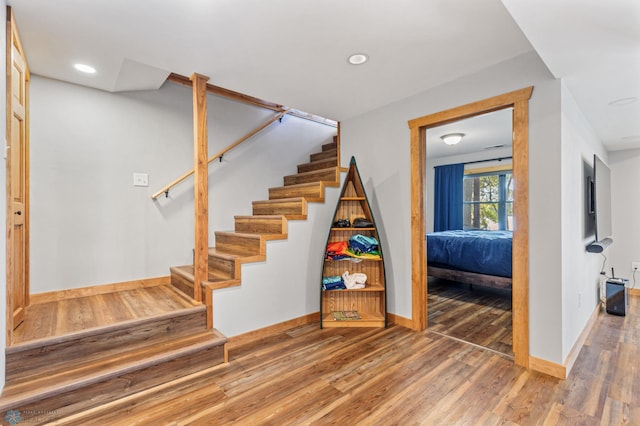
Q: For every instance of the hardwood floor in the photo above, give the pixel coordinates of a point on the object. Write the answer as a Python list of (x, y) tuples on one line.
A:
[(65, 316), (394, 376), (478, 315)]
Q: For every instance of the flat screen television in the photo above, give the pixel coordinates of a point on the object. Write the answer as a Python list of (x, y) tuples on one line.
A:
[(600, 205)]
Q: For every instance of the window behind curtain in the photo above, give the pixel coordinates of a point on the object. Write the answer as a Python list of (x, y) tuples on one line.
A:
[(488, 201)]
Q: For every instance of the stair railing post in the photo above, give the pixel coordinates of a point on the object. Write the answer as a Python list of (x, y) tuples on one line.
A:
[(201, 184)]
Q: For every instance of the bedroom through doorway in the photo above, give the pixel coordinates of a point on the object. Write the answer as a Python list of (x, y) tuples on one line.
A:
[(469, 226)]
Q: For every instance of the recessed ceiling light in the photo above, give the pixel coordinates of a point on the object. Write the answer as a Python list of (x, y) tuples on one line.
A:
[(623, 101), (85, 68), (358, 59)]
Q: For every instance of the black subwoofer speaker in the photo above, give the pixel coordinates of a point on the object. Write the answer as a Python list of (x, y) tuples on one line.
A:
[(616, 293)]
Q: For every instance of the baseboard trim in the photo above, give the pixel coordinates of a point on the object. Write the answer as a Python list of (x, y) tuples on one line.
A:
[(547, 367), (634, 291), (399, 320), (73, 293), (577, 346), (254, 335), (561, 371)]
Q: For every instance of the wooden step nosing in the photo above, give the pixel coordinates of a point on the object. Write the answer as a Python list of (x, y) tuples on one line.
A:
[(333, 169), (72, 384), (260, 217), (238, 234), (222, 254), (281, 200), (297, 185), (96, 331)]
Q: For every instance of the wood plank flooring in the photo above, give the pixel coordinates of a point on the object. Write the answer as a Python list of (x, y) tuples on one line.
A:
[(479, 315), (394, 376), (61, 317)]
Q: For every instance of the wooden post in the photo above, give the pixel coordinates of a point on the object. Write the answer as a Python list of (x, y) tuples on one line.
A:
[(201, 185)]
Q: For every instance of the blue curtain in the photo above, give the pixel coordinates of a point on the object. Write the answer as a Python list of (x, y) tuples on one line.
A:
[(448, 197)]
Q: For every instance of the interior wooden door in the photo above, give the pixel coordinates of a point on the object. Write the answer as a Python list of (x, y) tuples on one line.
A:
[(17, 177)]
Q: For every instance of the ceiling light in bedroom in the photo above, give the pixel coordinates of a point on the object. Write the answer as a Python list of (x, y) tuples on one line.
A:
[(358, 59), (85, 68), (452, 138)]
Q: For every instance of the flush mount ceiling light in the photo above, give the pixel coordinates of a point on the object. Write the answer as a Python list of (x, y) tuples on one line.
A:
[(85, 68), (358, 59), (452, 138), (623, 101)]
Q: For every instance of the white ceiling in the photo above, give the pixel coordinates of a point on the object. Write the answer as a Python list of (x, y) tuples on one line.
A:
[(295, 52)]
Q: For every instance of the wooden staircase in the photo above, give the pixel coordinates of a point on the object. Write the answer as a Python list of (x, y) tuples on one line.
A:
[(66, 377), (65, 374), (248, 241)]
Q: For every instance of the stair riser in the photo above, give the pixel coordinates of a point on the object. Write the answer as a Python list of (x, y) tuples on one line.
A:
[(92, 395), (182, 284), (311, 193), (222, 268), (258, 225), (330, 175), (332, 153), (239, 244), (60, 355), (317, 165), (330, 146), (289, 209)]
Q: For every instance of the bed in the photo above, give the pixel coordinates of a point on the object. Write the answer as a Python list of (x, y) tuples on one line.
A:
[(471, 256)]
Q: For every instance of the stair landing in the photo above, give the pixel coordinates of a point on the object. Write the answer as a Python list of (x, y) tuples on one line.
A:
[(73, 354)]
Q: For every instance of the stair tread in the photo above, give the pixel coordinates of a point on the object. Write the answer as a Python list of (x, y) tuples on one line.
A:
[(281, 200), (261, 216), (95, 369), (48, 341), (318, 171), (256, 236)]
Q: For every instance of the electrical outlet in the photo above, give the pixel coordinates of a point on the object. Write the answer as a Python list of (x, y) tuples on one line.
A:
[(140, 179), (635, 266)]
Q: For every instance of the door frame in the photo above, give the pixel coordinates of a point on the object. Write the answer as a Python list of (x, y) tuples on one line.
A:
[(519, 101)]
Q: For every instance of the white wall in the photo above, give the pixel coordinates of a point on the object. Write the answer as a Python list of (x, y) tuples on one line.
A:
[(580, 269), (3, 205), (625, 204), (91, 226), (385, 170)]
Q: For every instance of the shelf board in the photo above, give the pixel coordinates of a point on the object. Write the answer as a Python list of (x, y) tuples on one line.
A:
[(353, 229), (352, 198), (367, 319), (369, 287), (379, 259)]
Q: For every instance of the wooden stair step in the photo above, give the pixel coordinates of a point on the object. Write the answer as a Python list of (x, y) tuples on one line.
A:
[(331, 145), (182, 276), (317, 165), (290, 208), (37, 356), (261, 224), (244, 243), (313, 191), (329, 175), (323, 155), (96, 381)]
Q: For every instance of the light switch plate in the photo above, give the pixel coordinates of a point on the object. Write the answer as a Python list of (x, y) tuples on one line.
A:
[(140, 179)]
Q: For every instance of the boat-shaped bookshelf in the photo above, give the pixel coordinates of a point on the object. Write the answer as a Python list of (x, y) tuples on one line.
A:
[(351, 248)]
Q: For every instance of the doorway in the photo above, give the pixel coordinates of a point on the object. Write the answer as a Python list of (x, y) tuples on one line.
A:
[(519, 101), (469, 231)]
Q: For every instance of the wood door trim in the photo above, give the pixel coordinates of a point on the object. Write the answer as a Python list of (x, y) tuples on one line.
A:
[(519, 101)]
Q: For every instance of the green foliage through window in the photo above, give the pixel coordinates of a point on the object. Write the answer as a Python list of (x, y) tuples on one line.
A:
[(488, 201)]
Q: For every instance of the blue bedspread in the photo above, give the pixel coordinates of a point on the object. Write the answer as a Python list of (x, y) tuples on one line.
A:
[(484, 252)]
